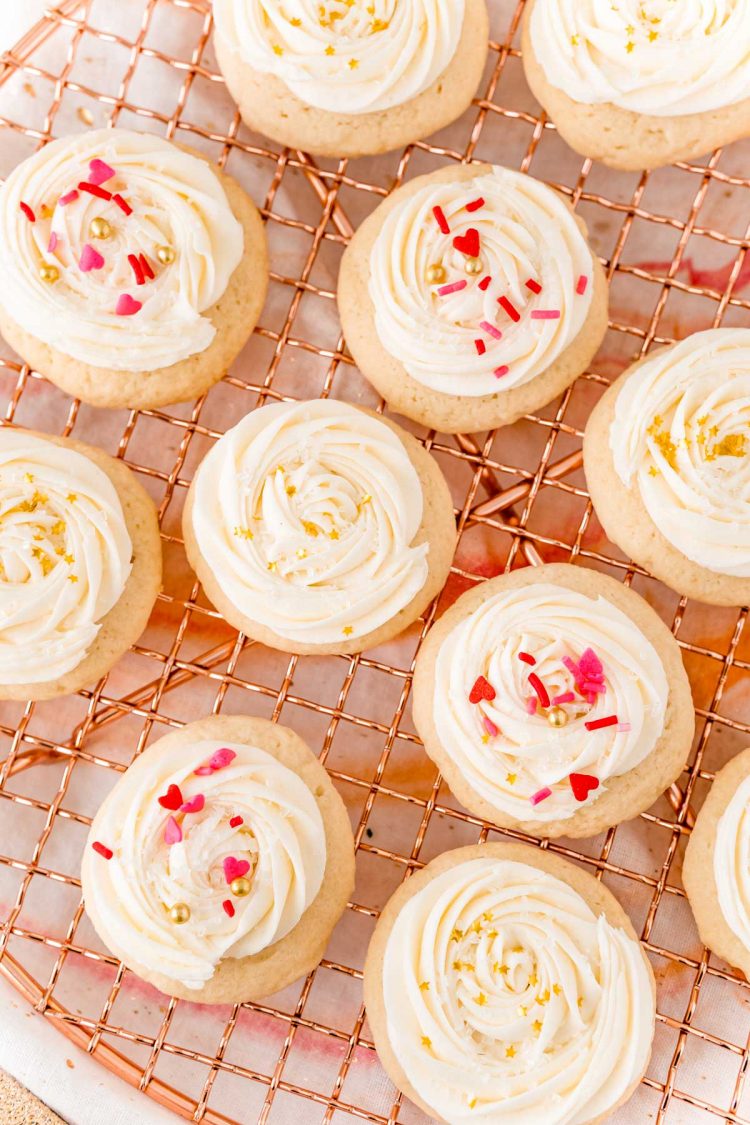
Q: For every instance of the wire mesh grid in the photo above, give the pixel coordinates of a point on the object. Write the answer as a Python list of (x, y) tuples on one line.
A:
[(520, 499)]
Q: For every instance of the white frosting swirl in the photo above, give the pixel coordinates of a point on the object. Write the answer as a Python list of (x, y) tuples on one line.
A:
[(176, 202), (680, 436), (509, 1002), (306, 513), (281, 838), (526, 234), (508, 755), (732, 863), (662, 58), (350, 56), (64, 556)]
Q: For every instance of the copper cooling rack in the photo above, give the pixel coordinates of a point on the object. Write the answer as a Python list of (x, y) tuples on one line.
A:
[(674, 244)]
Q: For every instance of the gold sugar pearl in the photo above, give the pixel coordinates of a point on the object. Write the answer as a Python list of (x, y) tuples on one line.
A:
[(48, 273), (556, 717), (100, 228), (473, 265), (180, 913), (165, 254), (240, 887), (436, 274)]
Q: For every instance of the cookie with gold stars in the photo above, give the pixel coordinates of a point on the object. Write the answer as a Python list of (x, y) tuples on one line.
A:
[(131, 272), (219, 864), (639, 85), (554, 700), (317, 527), (667, 460), (471, 297), (351, 77), (503, 983), (80, 563)]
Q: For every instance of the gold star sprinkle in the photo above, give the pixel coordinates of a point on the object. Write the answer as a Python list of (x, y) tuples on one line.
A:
[(456, 935), (537, 1025), (277, 50), (72, 497), (353, 64), (348, 630), (575, 40), (481, 999), (533, 980), (290, 490), (310, 529), (426, 1042), (296, 22), (510, 1052), (630, 47), (511, 778), (425, 986), (556, 989), (271, 566), (333, 534), (69, 560), (330, 50), (243, 533), (72, 578), (29, 477)]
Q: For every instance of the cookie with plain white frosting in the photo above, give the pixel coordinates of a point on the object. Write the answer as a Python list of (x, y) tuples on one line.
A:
[(717, 861), (471, 297), (503, 983), (131, 271), (641, 85), (554, 700), (667, 460), (219, 864), (351, 77), (318, 527), (80, 563)]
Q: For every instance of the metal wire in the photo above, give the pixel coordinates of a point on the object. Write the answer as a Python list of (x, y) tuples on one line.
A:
[(527, 512)]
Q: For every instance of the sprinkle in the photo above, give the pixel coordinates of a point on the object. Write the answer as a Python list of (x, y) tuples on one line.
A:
[(426, 1042), (91, 259), (490, 727), (527, 658), (172, 832), (228, 907), (541, 795), (94, 189), (102, 850), (27, 212), (593, 687), (564, 697), (624, 727), (534, 286), (146, 267), (64, 200), (234, 868), (99, 172), (546, 314), (52, 244), (172, 799), (442, 222), (127, 305), (122, 203), (482, 689), (481, 999), (475, 205), (511, 310), (490, 329), (537, 1025), (582, 784), (599, 724), (480, 346), (500, 371), (531, 704), (236, 821), (424, 986), (582, 285), (137, 269), (539, 688), (510, 1052), (222, 758), (511, 778), (194, 805), (348, 630), (572, 667), (454, 287), (591, 666), (468, 244)]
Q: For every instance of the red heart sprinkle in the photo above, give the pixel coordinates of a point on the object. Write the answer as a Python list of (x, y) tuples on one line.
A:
[(235, 868), (482, 689), (468, 243), (582, 784), (172, 799)]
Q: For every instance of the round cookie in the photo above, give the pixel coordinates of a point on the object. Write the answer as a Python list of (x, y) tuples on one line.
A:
[(353, 80), (554, 700), (80, 563), (131, 272), (470, 297), (665, 453), (318, 527), (489, 965), (639, 86), (716, 865), (219, 864)]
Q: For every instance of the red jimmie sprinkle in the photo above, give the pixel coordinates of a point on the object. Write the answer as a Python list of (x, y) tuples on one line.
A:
[(482, 689), (480, 346), (582, 285), (94, 189), (236, 821), (600, 724), (146, 267), (485, 283), (475, 204), (534, 286), (137, 269), (539, 688), (228, 907), (511, 310), (442, 222), (527, 658), (27, 212), (121, 203), (102, 850)]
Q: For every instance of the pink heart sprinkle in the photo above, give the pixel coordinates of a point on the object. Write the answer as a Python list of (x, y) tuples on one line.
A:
[(591, 666), (127, 305), (490, 727), (203, 771), (52, 244), (221, 758), (99, 172), (195, 804), (235, 868), (91, 259), (173, 832)]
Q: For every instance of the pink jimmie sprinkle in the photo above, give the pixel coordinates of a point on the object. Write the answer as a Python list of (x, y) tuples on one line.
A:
[(480, 346), (52, 244), (546, 314), (441, 220), (490, 727), (454, 287), (484, 284), (195, 804), (582, 285), (531, 704), (69, 197), (564, 697), (593, 687), (624, 727), (91, 259), (541, 795), (172, 832), (500, 371), (99, 172), (236, 821), (572, 667), (490, 329)]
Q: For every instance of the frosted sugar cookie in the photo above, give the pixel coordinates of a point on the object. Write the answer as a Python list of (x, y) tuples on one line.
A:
[(351, 77), (640, 85), (80, 564), (470, 297), (220, 862), (717, 861), (504, 984), (554, 700), (667, 461), (131, 271), (319, 527)]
